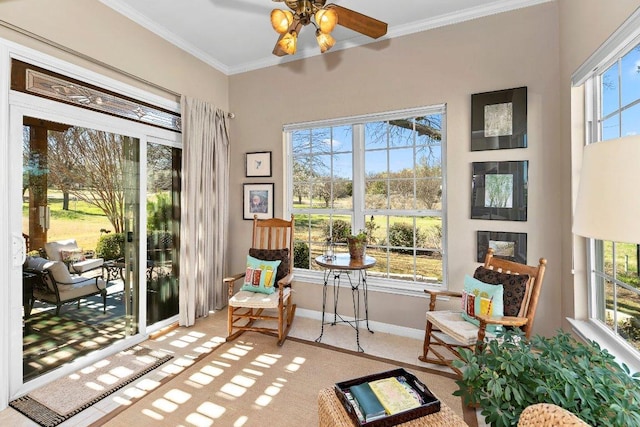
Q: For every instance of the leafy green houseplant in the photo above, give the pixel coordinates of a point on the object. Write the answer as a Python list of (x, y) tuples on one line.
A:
[(502, 379), (357, 244)]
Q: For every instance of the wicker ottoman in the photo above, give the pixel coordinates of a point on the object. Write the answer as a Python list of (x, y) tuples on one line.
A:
[(332, 414)]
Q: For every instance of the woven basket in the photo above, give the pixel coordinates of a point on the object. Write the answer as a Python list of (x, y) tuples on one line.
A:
[(548, 415)]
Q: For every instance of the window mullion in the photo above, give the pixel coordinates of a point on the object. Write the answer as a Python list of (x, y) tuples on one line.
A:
[(358, 177)]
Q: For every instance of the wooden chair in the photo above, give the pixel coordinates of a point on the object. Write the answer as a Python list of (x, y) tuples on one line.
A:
[(446, 330), (270, 238)]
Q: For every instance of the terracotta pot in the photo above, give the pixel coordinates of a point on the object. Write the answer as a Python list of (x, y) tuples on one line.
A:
[(357, 248)]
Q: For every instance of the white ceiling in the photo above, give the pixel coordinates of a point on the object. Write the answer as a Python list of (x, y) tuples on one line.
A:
[(235, 36)]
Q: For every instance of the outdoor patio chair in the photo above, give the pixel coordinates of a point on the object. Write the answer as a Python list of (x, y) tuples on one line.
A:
[(73, 256), (267, 282), (57, 286), (448, 330)]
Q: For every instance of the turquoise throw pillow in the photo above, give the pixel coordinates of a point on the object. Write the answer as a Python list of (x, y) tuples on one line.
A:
[(481, 298), (260, 275)]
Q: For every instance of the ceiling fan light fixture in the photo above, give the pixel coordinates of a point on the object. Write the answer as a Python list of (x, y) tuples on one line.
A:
[(288, 43), (325, 41), (326, 19), (281, 20)]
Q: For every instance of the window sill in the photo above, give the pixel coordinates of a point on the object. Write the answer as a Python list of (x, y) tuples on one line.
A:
[(590, 330), (373, 284)]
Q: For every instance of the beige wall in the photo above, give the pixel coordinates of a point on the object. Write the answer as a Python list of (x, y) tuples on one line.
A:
[(538, 47), (445, 65), (584, 26), (95, 30)]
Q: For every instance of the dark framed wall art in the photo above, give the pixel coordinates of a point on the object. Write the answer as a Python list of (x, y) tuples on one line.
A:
[(258, 200), (499, 190), (499, 119), (258, 164), (511, 246)]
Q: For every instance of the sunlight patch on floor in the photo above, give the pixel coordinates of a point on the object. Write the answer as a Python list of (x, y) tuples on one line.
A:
[(152, 414), (241, 421), (164, 405), (178, 396)]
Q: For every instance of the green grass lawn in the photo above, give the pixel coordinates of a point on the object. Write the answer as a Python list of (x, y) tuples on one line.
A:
[(81, 222)]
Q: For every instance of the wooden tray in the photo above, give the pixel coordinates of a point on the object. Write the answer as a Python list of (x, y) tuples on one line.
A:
[(431, 405)]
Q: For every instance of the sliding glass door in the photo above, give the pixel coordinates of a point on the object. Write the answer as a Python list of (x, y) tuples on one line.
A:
[(99, 203)]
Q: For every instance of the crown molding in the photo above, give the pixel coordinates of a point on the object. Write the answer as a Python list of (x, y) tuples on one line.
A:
[(493, 8)]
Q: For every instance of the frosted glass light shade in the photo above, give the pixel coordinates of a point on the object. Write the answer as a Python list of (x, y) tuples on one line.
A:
[(288, 43), (325, 41), (608, 203), (326, 19), (281, 20)]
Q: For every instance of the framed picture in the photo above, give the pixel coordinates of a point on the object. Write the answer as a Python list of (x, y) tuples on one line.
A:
[(499, 119), (511, 246), (258, 200), (499, 190), (258, 164)]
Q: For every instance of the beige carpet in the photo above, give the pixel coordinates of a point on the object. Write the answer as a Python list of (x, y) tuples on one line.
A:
[(253, 382), (59, 400)]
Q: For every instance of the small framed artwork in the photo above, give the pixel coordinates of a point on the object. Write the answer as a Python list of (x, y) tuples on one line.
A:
[(511, 246), (499, 119), (258, 164), (499, 190), (258, 200)]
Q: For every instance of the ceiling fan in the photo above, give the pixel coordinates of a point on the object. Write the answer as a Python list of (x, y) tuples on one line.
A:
[(288, 23)]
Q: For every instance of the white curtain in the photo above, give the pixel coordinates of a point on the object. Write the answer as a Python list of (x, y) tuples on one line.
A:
[(204, 210)]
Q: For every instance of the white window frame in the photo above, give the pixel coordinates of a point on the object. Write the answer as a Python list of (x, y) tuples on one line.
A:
[(375, 284), (625, 38)]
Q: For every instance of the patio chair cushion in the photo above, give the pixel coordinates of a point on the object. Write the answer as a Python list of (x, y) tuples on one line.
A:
[(260, 275), (60, 274), (54, 249), (73, 255)]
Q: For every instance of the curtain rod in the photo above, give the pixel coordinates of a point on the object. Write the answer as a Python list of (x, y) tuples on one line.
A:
[(88, 58)]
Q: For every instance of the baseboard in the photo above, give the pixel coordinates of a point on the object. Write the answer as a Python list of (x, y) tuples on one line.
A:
[(388, 328)]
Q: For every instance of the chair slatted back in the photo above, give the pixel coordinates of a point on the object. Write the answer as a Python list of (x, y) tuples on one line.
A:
[(274, 233), (536, 275)]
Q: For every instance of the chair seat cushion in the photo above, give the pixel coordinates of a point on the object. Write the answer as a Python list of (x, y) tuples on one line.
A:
[(452, 323), (86, 265), (79, 287), (257, 299), (53, 249)]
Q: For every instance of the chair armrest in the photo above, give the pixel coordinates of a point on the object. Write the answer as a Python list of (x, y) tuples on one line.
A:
[(434, 294), (497, 320), (286, 281), (232, 279), (502, 320)]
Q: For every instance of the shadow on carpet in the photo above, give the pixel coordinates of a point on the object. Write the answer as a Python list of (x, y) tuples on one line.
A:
[(59, 400)]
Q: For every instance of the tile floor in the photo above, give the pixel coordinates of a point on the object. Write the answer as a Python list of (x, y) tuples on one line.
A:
[(188, 343)]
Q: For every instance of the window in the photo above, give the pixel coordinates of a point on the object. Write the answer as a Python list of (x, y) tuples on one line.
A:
[(614, 282), (382, 174)]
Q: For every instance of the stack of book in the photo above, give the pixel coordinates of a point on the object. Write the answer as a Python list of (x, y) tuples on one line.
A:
[(383, 397)]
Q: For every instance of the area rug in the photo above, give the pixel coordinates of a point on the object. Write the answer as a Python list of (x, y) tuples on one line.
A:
[(253, 382), (61, 399)]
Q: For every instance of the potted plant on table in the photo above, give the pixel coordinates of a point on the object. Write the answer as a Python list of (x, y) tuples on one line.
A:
[(357, 244), (503, 378)]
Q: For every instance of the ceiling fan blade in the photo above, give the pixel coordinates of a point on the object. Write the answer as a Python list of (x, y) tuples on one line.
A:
[(356, 21), (296, 26)]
